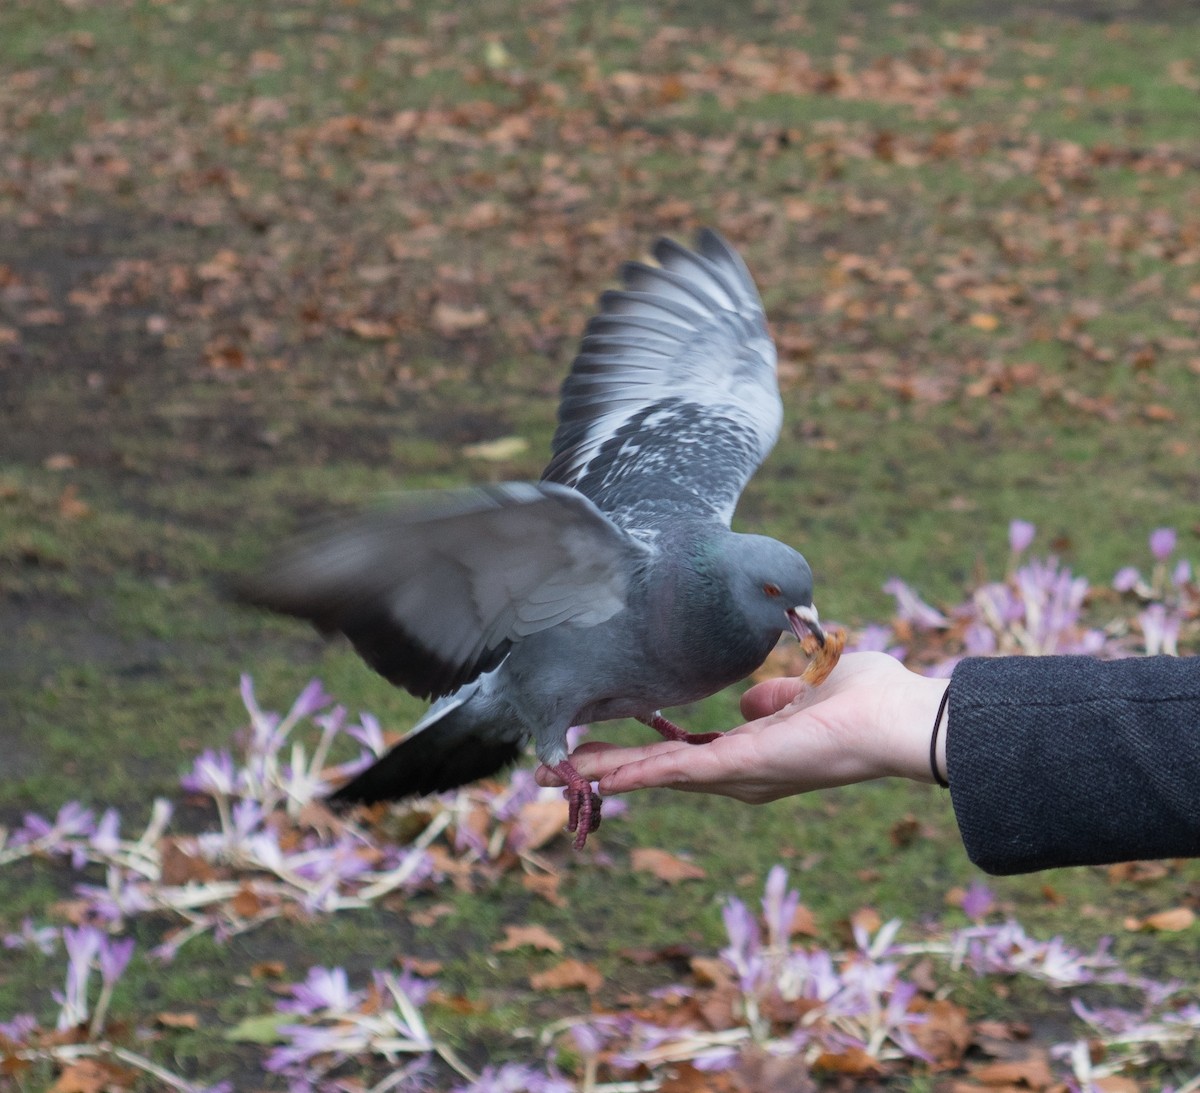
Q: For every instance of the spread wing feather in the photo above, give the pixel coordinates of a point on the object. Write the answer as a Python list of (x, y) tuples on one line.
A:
[(673, 401), (433, 592)]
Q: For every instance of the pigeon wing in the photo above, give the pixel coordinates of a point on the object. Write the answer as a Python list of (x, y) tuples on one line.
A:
[(673, 400), (435, 591)]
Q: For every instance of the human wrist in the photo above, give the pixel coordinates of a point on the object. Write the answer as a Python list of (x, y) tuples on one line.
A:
[(910, 725)]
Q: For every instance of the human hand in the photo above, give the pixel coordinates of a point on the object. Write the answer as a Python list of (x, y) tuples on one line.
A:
[(871, 718)]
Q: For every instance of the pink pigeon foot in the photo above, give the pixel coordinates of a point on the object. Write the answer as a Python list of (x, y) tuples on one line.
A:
[(583, 816), (671, 731)]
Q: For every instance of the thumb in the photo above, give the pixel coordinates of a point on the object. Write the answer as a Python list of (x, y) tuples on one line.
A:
[(771, 696)]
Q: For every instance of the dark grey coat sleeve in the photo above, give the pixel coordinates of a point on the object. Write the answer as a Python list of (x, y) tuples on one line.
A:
[(1074, 761)]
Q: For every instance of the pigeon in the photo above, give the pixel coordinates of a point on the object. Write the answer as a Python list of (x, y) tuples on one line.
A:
[(613, 587)]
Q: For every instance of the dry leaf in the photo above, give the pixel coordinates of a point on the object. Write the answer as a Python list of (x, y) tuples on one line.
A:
[(496, 451), (177, 1020), (431, 914), (536, 937), (665, 866), (946, 1031), (1030, 1073), (540, 821), (985, 321), (1177, 918), (567, 976), (178, 866), (544, 885), (451, 320)]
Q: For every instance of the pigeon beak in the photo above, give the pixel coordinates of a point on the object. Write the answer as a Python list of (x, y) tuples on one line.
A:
[(804, 621)]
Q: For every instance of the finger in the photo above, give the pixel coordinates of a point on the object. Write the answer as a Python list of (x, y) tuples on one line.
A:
[(594, 763), (771, 696), (679, 767)]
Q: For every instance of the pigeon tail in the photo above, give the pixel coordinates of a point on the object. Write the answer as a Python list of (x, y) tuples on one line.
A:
[(443, 753)]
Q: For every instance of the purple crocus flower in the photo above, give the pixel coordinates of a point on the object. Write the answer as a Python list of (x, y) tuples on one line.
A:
[(212, 773), (113, 958), (912, 609), (779, 906), (1127, 579), (1162, 543), (322, 989), (977, 900), (42, 938), (1020, 535)]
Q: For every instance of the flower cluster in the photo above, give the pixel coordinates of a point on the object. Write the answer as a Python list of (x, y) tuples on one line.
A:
[(1041, 608), (777, 997)]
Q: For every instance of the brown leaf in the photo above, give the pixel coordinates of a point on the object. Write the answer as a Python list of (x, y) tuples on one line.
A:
[(451, 320), (568, 975), (1030, 1073), (904, 831), (1170, 921), (371, 330), (544, 885), (178, 865), (945, 1033), (665, 866), (268, 969), (69, 505), (431, 914), (177, 1020), (853, 1061), (534, 936), (426, 969), (246, 903), (92, 1076), (540, 821)]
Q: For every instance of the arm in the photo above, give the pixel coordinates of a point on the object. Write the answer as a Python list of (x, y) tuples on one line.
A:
[(1073, 761), (1051, 760), (870, 719)]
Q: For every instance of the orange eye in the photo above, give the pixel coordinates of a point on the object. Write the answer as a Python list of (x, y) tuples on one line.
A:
[(772, 590)]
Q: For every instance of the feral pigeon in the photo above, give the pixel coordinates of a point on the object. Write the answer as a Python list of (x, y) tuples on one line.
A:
[(611, 588)]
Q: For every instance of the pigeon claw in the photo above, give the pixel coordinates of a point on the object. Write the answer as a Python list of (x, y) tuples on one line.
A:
[(583, 803), (670, 731)]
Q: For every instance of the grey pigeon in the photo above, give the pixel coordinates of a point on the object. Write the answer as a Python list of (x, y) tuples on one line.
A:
[(613, 587)]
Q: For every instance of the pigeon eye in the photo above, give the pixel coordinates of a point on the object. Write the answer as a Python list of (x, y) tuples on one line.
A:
[(772, 590)]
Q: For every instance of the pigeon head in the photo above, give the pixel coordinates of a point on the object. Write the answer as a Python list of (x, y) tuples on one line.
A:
[(775, 586)]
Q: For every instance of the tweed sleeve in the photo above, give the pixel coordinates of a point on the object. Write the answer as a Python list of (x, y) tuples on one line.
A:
[(1058, 761)]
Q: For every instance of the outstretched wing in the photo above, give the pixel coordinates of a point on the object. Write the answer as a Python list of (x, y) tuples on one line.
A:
[(673, 401), (435, 591)]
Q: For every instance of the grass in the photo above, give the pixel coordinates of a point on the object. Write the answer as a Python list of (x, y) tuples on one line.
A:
[(283, 174)]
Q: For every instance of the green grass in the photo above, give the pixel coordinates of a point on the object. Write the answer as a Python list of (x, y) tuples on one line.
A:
[(281, 173)]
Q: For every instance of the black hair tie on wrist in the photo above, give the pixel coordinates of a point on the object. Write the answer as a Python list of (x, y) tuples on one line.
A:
[(937, 724)]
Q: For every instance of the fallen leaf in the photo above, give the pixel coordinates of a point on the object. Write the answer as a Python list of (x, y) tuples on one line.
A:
[(853, 1061), (371, 330), (179, 866), (69, 505), (431, 914), (984, 320), (568, 975), (534, 936), (60, 461), (544, 885), (540, 821), (946, 1032), (177, 1020), (451, 320), (261, 1028), (1170, 921), (665, 866), (268, 969), (426, 969), (496, 451), (1030, 1073)]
